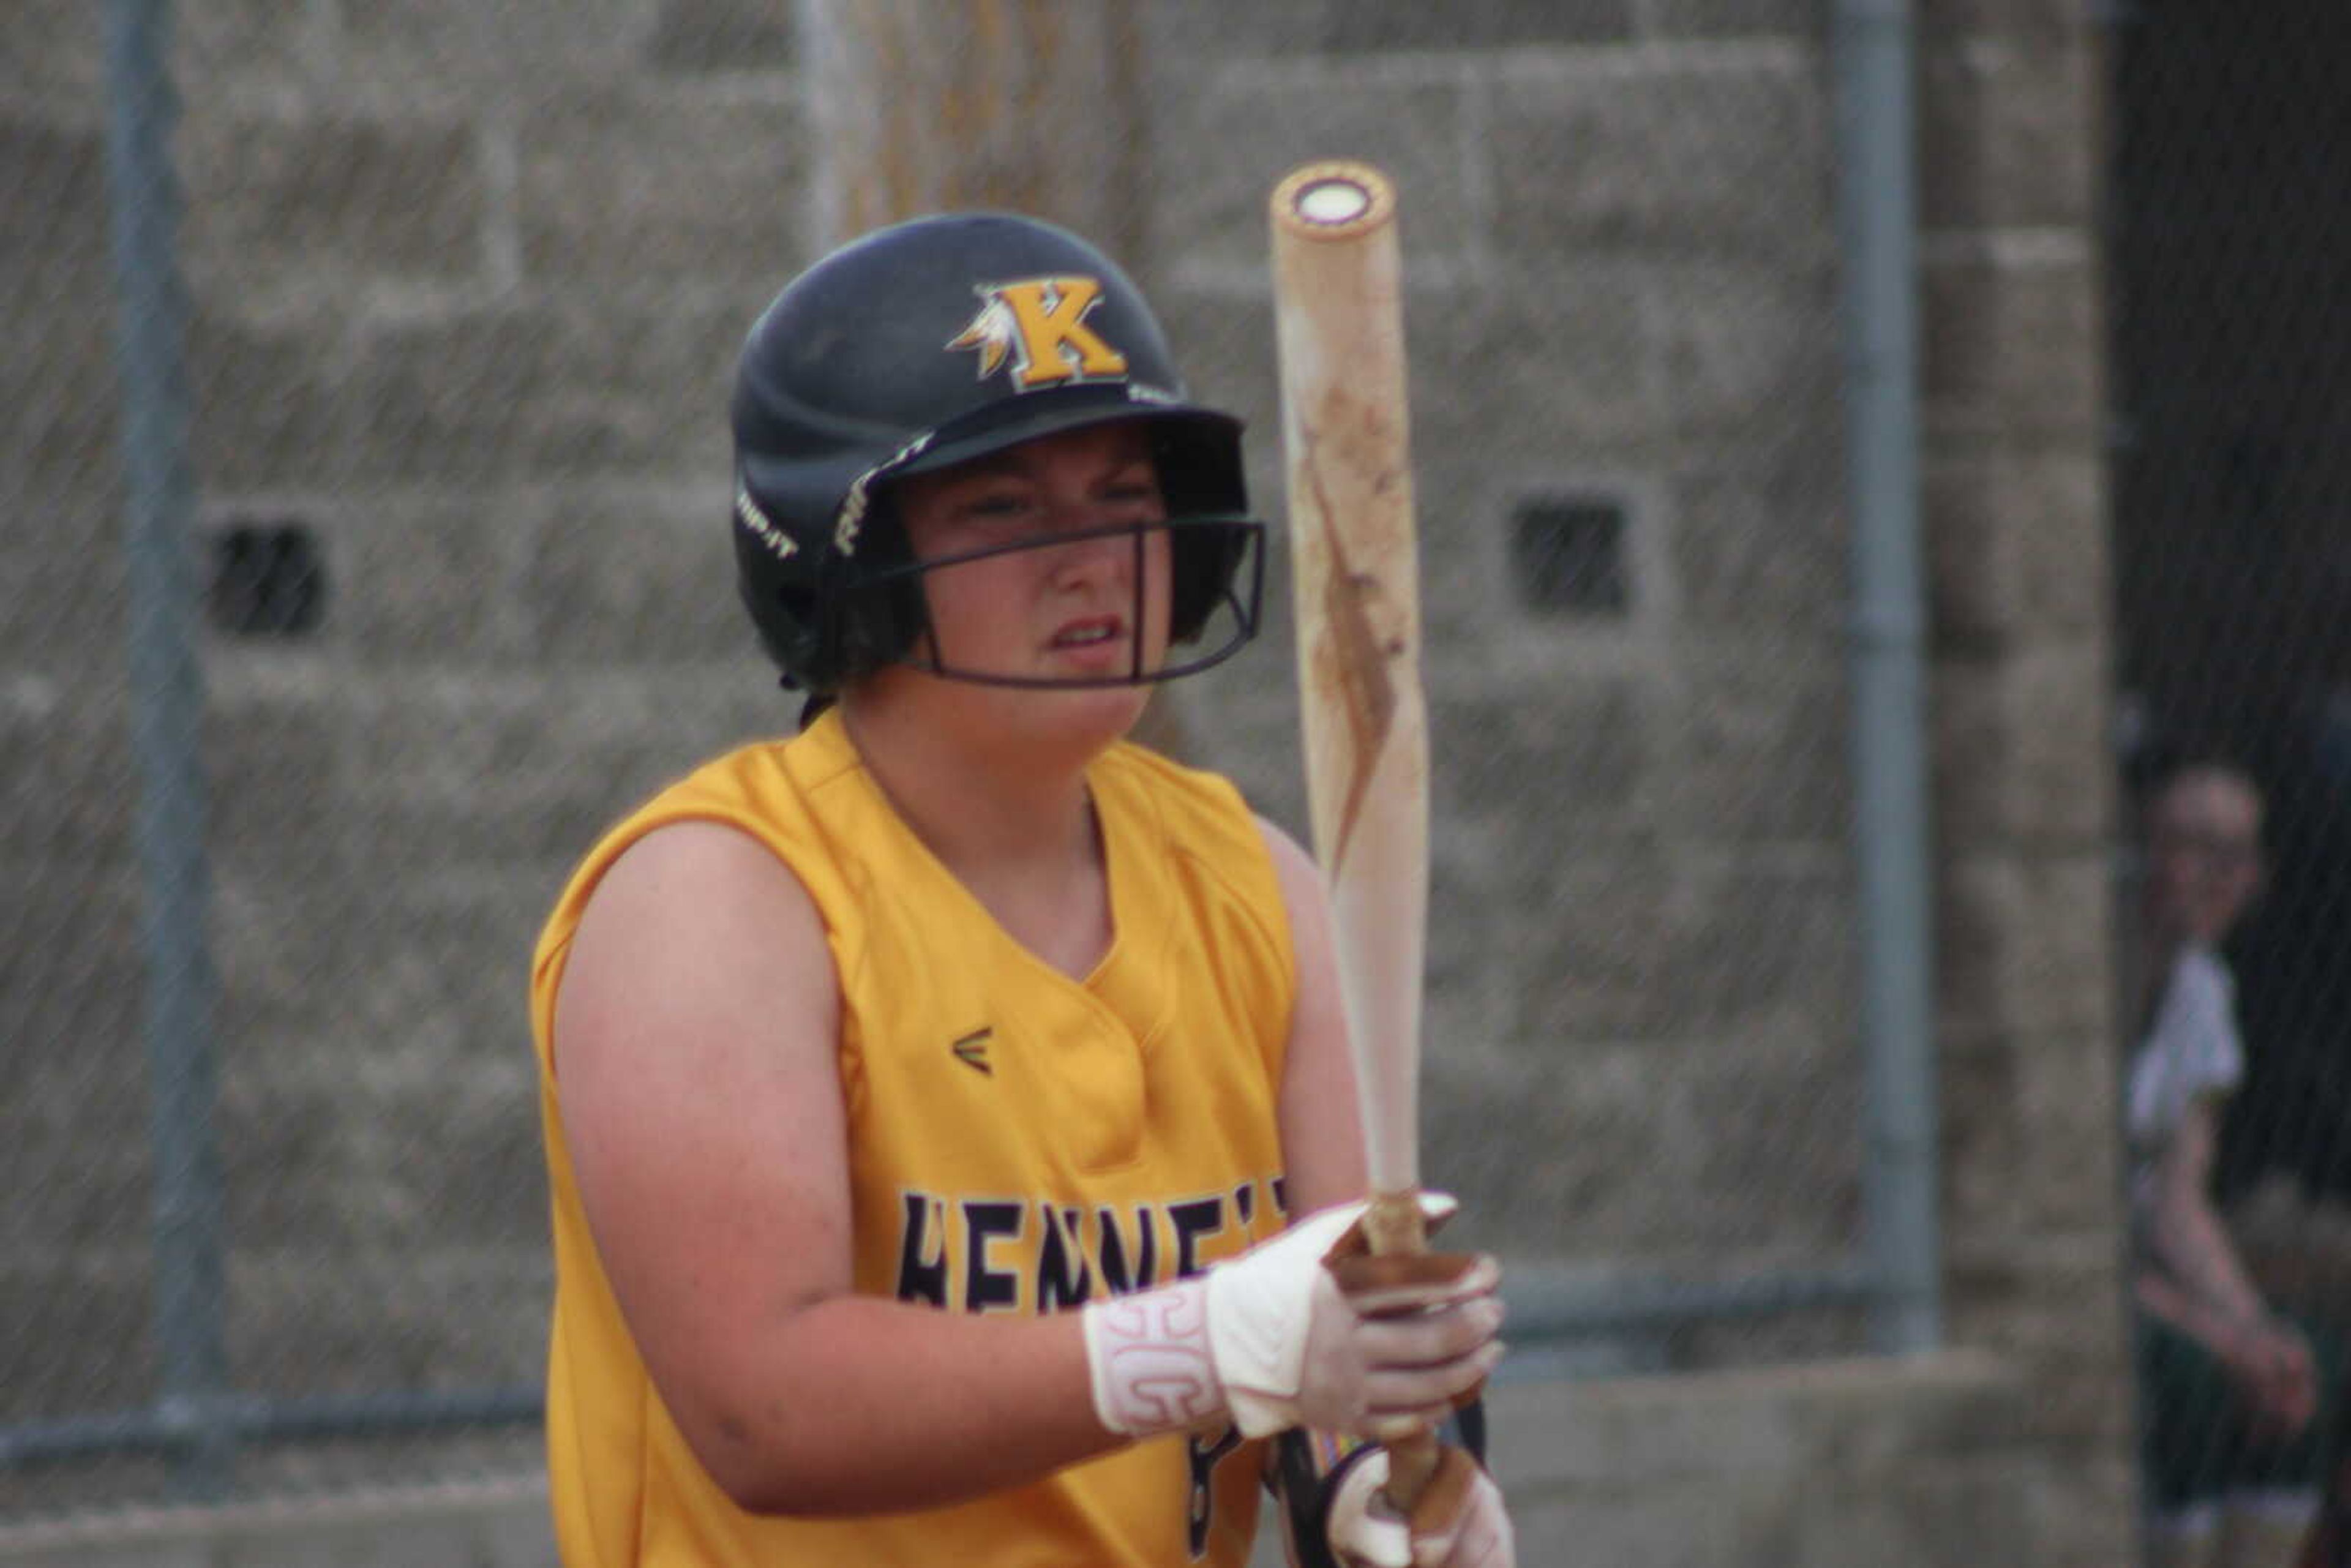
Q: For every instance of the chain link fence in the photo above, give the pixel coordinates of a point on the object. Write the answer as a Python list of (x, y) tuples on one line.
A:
[(2232, 372), (364, 473)]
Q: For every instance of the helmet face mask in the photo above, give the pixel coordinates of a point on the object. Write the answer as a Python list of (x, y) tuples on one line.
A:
[(930, 344), (1217, 582)]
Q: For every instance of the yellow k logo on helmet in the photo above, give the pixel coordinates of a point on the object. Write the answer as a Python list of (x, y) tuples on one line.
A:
[(1040, 325)]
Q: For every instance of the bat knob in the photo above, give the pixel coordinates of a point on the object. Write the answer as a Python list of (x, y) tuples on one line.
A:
[(1334, 200)]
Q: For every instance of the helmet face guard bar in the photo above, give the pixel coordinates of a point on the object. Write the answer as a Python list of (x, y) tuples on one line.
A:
[(1240, 592)]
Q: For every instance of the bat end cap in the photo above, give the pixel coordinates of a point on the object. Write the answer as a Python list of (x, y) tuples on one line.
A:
[(1334, 200)]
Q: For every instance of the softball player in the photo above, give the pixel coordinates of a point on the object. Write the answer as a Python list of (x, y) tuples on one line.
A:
[(928, 1096)]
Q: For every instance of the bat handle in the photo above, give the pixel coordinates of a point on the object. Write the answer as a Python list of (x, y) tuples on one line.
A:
[(1412, 1465), (1394, 1224)]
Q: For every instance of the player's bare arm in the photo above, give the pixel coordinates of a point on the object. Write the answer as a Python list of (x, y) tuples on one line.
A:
[(696, 1044), (1322, 1137)]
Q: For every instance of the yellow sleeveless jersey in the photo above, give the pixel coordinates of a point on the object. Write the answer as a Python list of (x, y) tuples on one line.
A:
[(1020, 1142)]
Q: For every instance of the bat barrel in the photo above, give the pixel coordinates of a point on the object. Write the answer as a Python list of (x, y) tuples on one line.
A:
[(1339, 320), (1339, 324)]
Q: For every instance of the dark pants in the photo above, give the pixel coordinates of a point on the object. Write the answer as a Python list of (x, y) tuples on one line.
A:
[(2194, 1443)]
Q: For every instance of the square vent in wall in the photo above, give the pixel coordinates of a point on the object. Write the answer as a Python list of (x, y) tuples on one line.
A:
[(267, 580), (1567, 555)]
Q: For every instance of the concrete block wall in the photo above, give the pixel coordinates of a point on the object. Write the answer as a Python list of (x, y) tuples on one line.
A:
[(465, 290), (73, 1254), (468, 284), (1620, 259), (2019, 576), (1690, 759)]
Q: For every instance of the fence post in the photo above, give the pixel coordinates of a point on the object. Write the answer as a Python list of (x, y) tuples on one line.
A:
[(166, 719), (1877, 220)]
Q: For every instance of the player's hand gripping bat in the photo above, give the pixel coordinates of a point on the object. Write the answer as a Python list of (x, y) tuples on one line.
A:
[(1340, 331)]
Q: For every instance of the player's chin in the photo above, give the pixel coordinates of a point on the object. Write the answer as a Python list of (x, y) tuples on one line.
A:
[(1105, 708), (1112, 696)]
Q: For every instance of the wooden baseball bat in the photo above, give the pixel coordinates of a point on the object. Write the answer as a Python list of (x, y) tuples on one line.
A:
[(1339, 326)]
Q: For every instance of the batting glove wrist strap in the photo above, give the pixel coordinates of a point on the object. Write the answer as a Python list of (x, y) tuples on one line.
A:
[(1148, 1360), (1274, 1338), (1231, 1340)]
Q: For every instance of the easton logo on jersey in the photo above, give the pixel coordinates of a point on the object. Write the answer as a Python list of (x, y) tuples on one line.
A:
[(972, 1050), (1038, 325)]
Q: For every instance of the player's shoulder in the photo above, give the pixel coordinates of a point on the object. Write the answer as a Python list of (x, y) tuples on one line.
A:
[(1292, 860), (759, 771), (1211, 829), (676, 876), (772, 789), (725, 825), (1194, 805), (1212, 795)]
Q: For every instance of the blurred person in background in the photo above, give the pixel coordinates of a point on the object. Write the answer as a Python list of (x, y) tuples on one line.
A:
[(2233, 1434)]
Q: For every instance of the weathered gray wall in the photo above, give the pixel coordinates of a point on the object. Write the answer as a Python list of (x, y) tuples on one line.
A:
[(1620, 262), (468, 279), (2016, 502)]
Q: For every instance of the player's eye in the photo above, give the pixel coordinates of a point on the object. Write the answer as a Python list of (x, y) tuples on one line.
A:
[(1132, 489), (998, 503)]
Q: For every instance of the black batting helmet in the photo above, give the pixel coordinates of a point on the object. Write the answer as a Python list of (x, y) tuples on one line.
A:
[(926, 344)]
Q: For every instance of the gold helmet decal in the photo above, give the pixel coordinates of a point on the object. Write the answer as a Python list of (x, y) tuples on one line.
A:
[(1039, 324)]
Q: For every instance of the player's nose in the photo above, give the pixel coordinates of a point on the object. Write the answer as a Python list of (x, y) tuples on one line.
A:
[(1096, 548)]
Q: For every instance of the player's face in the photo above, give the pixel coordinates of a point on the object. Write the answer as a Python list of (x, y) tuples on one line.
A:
[(1065, 606)]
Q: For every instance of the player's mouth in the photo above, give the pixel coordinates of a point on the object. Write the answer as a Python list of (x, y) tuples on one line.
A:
[(1093, 641)]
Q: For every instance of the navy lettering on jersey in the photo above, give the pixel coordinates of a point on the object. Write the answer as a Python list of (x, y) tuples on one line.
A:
[(987, 1287), (1192, 1219), (1117, 1277), (922, 1251), (1064, 1277), (998, 1254)]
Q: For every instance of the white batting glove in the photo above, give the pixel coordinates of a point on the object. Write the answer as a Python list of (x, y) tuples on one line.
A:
[(1269, 1338), (1315, 1355), (1460, 1521)]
